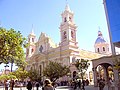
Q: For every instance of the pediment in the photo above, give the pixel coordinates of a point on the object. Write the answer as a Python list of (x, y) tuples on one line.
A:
[(43, 36), (44, 39)]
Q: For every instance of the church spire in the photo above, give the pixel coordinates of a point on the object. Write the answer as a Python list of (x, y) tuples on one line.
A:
[(67, 8), (32, 31), (99, 32)]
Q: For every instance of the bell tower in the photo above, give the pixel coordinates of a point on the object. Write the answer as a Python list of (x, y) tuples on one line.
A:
[(31, 40), (68, 27), (68, 45)]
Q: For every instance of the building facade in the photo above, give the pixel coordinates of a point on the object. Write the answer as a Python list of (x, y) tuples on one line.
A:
[(40, 52)]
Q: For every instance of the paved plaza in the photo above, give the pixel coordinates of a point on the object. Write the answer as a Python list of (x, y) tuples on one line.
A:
[(90, 87)]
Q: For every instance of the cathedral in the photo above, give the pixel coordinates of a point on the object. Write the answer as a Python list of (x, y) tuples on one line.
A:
[(40, 52)]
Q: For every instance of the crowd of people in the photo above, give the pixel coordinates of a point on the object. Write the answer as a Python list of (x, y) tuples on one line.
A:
[(46, 84)]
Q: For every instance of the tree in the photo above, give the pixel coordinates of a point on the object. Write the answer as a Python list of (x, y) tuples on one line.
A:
[(116, 63), (55, 70), (34, 75), (82, 65), (11, 46), (20, 74), (7, 77)]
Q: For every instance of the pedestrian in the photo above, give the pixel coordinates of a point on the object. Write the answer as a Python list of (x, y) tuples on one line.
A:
[(101, 84), (47, 85), (83, 84), (87, 82), (79, 84), (6, 85), (29, 85), (37, 85), (11, 84), (112, 84), (21, 84)]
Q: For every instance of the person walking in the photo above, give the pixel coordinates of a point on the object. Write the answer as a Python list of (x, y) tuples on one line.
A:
[(47, 85), (101, 84), (79, 84), (29, 85), (37, 85), (11, 84), (6, 85)]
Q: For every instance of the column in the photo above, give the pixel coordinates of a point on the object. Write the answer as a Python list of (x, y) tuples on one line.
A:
[(106, 76), (116, 78), (95, 77)]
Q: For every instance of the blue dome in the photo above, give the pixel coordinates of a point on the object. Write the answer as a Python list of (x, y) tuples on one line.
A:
[(100, 40)]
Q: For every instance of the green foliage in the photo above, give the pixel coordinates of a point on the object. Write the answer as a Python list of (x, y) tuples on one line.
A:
[(7, 77), (20, 74), (116, 63), (55, 70), (82, 65), (117, 66), (34, 75), (11, 46)]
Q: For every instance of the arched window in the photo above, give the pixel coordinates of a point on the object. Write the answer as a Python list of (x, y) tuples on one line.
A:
[(65, 19), (98, 50), (41, 49), (72, 34), (74, 75), (32, 50), (70, 19), (65, 35), (32, 39), (103, 48)]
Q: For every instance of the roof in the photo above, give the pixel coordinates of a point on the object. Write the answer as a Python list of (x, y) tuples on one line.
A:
[(100, 38), (89, 55)]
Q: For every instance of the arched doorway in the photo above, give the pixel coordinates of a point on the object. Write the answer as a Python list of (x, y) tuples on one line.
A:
[(103, 72), (107, 70)]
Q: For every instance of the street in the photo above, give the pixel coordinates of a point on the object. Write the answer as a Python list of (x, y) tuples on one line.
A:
[(90, 87)]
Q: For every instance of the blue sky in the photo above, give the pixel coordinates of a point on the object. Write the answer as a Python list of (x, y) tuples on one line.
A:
[(45, 16)]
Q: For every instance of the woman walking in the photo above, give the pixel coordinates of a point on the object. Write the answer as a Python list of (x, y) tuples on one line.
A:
[(48, 85), (29, 85)]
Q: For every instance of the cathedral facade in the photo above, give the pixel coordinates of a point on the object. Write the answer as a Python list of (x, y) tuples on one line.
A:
[(39, 53)]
